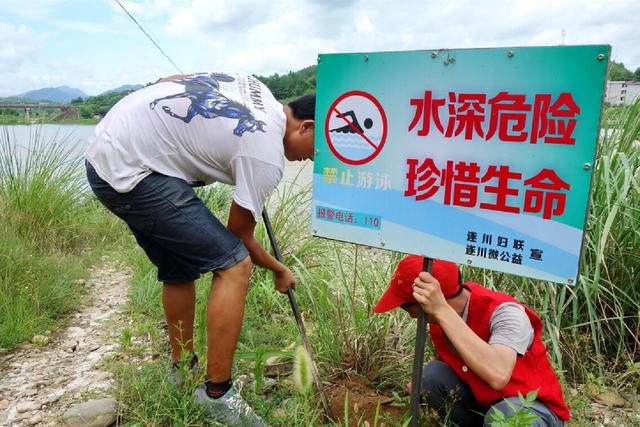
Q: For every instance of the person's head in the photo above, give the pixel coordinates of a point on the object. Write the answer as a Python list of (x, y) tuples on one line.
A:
[(400, 290), (300, 128)]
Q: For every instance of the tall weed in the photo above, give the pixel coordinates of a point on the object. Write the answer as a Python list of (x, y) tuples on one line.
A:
[(43, 194), (49, 231)]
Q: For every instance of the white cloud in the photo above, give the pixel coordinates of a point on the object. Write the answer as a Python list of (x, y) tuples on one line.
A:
[(264, 37), (242, 32), (364, 25), (31, 9), (148, 9), (79, 26), (18, 43)]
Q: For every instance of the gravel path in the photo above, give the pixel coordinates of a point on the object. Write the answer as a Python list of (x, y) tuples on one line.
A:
[(41, 379)]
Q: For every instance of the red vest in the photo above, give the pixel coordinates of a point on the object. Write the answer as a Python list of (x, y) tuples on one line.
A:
[(531, 372)]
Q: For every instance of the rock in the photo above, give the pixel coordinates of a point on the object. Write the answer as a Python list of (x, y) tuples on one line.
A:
[(23, 407), (591, 390), (283, 410), (4, 404), (269, 383), (40, 340), (279, 413), (611, 399), (94, 413), (74, 331), (55, 396), (102, 376), (243, 380), (36, 419), (30, 393), (70, 346), (274, 359), (274, 367)]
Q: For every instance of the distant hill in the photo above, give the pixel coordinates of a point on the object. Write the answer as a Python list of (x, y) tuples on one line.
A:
[(286, 87), (55, 94), (124, 88)]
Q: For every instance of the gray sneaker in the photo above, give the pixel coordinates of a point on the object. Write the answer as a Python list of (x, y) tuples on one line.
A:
[(230, 409), (179, 373)]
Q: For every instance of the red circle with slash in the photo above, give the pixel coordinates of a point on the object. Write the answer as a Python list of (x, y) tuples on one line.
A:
[(342, 119)]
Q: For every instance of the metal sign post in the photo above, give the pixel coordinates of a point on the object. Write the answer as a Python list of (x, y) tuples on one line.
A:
[(418, 357)]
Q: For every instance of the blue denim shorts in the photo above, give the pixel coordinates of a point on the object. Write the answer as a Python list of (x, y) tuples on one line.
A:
[(171, 223)]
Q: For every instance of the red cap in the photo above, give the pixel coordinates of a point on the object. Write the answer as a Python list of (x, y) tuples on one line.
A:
[(400, 290)]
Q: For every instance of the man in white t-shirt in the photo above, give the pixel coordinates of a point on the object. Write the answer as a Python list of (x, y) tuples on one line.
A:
[(142, 162)]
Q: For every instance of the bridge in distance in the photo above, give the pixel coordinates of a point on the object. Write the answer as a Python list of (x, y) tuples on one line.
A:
[(66, 111)]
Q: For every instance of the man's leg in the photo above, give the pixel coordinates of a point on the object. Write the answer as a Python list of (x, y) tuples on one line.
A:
[(449, 395), (224, 318), (546, 417), (179, 302)]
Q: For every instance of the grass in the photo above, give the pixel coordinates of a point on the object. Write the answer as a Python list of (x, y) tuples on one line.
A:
[(49, 234)]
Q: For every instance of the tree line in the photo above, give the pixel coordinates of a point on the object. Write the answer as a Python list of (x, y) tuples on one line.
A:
[(284, 87), (617, 72)]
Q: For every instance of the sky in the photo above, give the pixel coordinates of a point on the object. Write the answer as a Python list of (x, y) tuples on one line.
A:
[(94, 46)]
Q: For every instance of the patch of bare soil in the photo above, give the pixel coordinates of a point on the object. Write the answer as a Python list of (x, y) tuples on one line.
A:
[(362, 401)]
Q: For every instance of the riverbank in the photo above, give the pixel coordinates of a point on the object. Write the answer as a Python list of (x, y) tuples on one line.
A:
[(13, 120), (50, 230)]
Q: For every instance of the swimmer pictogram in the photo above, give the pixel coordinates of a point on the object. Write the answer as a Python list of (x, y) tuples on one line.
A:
[(356, 127)]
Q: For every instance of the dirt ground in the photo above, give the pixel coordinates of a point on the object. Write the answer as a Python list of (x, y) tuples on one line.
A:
[(363, 401)]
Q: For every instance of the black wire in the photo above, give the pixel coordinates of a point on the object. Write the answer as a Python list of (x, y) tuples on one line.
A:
[(147, 34)]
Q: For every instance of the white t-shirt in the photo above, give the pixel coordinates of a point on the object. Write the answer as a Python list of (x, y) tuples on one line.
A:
[(202, 128)]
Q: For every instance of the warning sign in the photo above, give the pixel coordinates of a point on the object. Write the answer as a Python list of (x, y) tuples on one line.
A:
[(467, 162), (356, 127)]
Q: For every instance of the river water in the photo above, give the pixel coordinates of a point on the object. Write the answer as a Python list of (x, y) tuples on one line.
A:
[(76, 137)]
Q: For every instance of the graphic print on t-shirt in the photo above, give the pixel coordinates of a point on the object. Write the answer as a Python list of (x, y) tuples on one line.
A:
[(206, 100)]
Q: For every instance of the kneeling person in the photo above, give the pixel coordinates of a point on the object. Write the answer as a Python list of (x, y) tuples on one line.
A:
[(489, 346)]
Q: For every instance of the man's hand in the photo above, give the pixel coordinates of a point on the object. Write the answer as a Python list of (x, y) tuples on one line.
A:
[(242, 224), (426, 290), (284, 280)]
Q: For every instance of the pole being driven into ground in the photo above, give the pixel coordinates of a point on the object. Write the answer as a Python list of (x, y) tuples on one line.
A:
[(418, 357), (298, 317)]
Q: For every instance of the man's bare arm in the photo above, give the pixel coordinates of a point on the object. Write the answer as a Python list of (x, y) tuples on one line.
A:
[(493, 363), (242, 224)]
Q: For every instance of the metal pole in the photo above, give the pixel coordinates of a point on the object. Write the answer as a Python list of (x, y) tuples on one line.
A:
[(298, 317), (418, 357)]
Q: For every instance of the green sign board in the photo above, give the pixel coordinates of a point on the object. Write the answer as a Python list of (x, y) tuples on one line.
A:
[(477, 156)]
